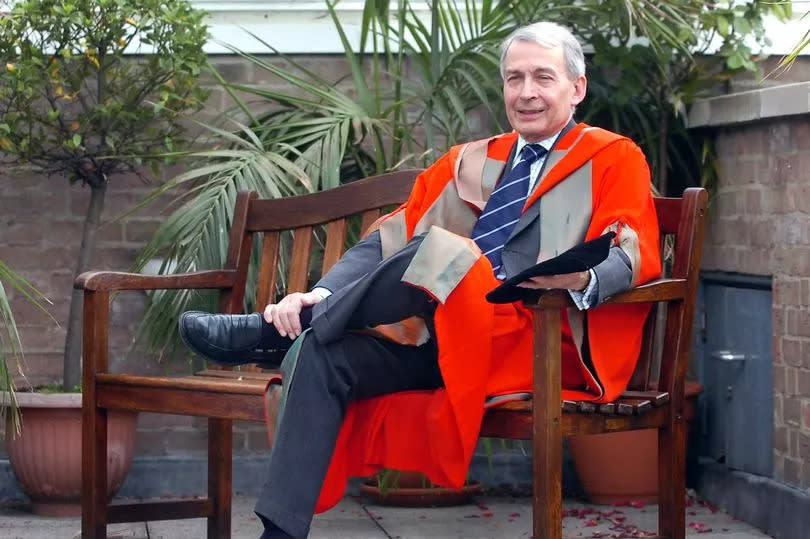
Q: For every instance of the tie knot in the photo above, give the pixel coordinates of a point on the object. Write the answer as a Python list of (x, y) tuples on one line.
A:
[(532, 152)]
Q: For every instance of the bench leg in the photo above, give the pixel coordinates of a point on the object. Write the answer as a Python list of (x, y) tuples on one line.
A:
[(547, 428), (672, 479), (220, 474), (94, 472)]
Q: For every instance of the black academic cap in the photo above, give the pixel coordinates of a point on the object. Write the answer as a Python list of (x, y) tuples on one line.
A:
[(580, 257)]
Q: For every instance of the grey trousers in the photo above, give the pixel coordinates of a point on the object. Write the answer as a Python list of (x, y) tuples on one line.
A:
[(334, 367)]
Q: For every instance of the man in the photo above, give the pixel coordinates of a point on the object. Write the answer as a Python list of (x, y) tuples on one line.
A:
[(411, 394)]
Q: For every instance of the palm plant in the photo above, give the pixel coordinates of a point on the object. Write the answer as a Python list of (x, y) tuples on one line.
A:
[(411, 89), (10, 345)]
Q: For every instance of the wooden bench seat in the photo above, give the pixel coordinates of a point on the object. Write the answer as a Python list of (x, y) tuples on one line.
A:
[(227, 395)]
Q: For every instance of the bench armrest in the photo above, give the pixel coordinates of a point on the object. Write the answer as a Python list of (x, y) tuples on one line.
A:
[(657, 290), (118, 280)]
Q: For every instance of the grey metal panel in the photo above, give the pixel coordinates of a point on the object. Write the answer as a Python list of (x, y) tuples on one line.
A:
[(737, 372)]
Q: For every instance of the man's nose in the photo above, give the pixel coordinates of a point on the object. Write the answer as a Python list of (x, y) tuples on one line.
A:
[(528, 90)]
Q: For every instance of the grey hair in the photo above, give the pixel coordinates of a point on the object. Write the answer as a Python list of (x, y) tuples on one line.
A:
[(550, 35)]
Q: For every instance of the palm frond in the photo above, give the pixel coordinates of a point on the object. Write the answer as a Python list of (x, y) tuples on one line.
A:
[(10, 344)]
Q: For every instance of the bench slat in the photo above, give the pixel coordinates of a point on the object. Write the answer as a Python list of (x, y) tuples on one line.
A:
[(268, 272), (335, 241), (299, 263)]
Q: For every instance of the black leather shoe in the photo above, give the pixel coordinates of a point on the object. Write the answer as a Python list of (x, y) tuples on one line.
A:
[(233, 339)]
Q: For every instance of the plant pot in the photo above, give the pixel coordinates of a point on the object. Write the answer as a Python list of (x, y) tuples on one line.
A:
[(412, 489), (46, 457), (620, 467)]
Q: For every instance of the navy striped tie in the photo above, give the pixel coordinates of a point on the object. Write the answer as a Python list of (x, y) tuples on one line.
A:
[(505, 204)]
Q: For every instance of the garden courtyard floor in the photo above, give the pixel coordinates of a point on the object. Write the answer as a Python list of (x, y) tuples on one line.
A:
[(489, 517)]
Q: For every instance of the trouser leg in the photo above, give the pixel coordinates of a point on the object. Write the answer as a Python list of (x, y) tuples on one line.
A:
[(378, 298), (325, 378), (331, 369)]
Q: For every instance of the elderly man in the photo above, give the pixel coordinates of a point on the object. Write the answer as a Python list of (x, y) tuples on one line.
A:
[(400, 352)]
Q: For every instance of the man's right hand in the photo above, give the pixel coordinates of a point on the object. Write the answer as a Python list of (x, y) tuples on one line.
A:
[(285, 314)]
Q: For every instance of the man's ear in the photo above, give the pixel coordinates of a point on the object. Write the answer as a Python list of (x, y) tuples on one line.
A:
[(580, 87)]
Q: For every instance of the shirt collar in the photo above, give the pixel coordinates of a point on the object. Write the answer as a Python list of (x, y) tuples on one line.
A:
[(546, 143)]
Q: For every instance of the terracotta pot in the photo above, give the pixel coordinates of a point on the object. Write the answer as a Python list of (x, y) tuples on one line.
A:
[(46, 457), (413, 490), (620, 467)]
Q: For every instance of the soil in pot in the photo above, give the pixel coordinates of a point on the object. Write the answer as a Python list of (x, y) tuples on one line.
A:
[(412, 489)]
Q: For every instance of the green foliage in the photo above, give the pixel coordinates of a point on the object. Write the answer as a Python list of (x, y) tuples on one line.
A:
[(71, 101), (10, 346), (414, 88)]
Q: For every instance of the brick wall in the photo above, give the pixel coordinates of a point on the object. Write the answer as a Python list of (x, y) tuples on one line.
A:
[(759, 223), (40, 233)]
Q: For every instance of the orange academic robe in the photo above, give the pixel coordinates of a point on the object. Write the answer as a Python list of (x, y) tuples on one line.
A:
[(486, 349)]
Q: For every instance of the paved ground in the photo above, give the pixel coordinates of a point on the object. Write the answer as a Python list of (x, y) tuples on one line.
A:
[(353, 519)]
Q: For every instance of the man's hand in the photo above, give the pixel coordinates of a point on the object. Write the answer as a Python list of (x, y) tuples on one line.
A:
[(570, 281), (285, 314)]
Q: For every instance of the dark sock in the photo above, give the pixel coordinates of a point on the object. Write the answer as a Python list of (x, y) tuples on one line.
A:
[(271, 531), (272, 340)]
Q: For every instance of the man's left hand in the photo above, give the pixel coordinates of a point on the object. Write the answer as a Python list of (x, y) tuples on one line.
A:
[(570, 281)]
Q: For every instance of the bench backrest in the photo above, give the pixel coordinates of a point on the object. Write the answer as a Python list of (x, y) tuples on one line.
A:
[(665, 346), (315, 227)]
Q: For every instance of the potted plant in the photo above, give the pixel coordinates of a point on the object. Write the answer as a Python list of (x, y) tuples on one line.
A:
[(413, 489), (90, 89), (622, 467)]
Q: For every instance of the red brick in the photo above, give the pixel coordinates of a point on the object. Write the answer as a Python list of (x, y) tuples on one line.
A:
[(780, 439), (779, 374), (778, 413), (805, 415), (803, 383), (801, 134), (794, 445), (140, 231), (110, 232), (791, 412), (147, 421), (791, 352), (786, 291), (778, 466), (791, 382), (783, 171), (806, 354), (793, 471)]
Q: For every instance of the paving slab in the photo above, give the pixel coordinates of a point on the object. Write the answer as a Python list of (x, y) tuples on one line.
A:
[(354, 518)]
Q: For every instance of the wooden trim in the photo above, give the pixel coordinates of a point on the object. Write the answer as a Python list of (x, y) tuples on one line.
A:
[(94, 419), (119, 280), (240, 406), (322, 207)]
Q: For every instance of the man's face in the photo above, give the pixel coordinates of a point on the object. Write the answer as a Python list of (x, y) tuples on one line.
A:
[(537, 92)]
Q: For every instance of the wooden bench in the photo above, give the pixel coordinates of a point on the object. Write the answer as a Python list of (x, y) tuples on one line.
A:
[(224, 396)]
